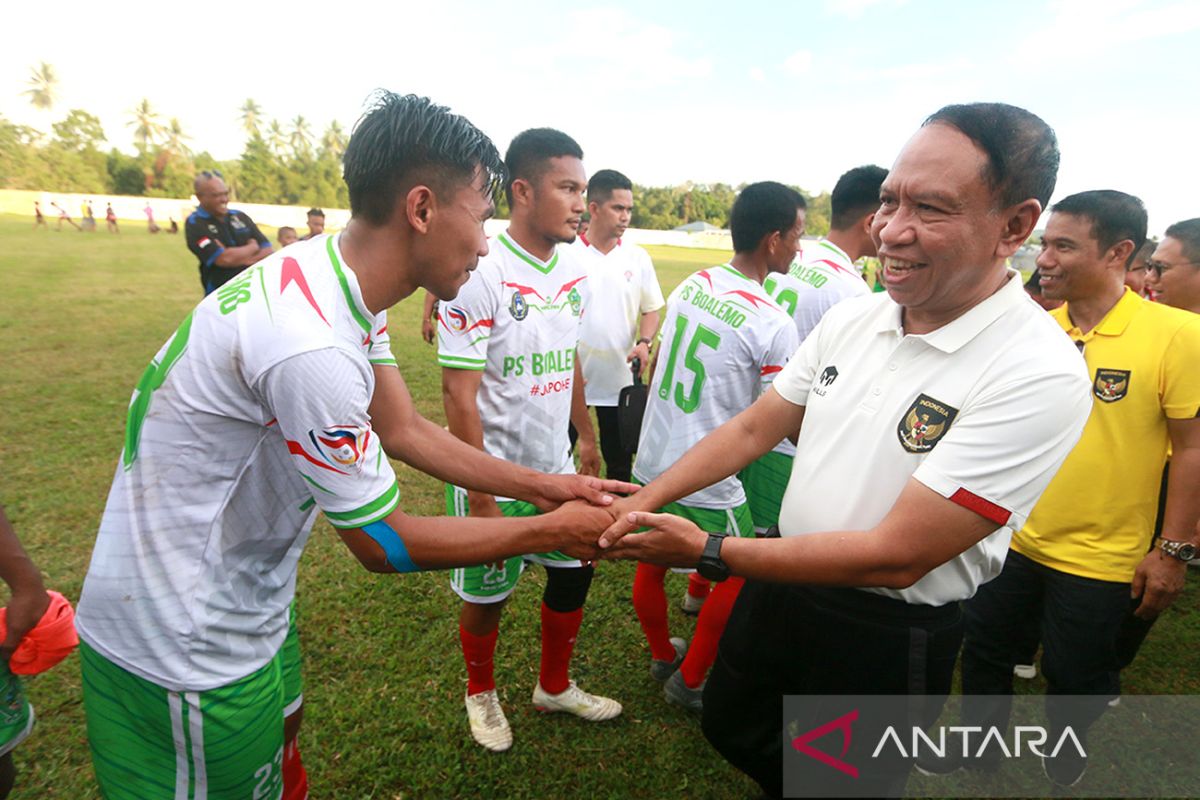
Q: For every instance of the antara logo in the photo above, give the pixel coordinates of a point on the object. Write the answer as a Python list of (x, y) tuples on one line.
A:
[(841, 724)]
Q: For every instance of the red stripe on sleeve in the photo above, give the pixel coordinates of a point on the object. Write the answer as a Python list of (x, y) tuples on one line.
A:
[(770, 369), (984, 508)]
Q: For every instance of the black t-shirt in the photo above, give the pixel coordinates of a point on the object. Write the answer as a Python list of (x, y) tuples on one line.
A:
[(207, 236)]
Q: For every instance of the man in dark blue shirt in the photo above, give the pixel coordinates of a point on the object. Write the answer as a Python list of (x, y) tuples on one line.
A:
[(225, 241)]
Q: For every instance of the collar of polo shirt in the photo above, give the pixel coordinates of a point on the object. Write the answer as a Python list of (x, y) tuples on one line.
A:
[(956, 333), (1114, 323)]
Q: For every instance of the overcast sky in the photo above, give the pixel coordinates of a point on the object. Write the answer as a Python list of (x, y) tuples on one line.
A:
[(665, 92)]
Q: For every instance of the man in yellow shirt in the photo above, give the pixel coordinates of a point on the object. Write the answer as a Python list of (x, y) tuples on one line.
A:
[(1082, 554)]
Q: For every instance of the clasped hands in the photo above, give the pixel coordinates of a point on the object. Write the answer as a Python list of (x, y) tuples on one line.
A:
[(605, 529)]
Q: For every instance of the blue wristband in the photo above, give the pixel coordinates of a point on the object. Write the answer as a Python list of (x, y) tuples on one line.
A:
[(393, 546)]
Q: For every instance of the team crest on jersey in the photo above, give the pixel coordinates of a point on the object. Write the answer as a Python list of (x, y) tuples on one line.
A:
[(924, 424), (518, 307), (1111, 384), (457, 319), (342, 446), (576, 301), (212, 229), (236, 223)]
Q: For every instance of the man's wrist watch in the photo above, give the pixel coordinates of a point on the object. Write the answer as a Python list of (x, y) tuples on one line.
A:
[(711, 566), (644, 340), (1182, 551)]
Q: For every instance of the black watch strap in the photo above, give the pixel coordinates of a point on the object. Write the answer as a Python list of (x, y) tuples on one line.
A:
[(711, 565)]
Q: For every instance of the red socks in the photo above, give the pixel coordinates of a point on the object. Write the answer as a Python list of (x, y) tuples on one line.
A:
[(295, 779), (559, 630), (698, 586), (650, 603), (709, 626), (478, 652)]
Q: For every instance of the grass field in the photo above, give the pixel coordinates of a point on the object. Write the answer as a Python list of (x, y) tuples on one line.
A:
[(80, 317)]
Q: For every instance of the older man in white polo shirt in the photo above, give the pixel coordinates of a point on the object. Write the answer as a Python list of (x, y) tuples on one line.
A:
[(930, 421), (623, 311)]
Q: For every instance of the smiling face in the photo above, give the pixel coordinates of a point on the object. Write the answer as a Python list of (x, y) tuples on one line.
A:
[(456, 239), (937, 232), (1071, 263), (213, 196), (557, 199)]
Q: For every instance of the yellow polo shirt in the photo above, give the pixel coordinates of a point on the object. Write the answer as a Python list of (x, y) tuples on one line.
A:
[(1096, 518)]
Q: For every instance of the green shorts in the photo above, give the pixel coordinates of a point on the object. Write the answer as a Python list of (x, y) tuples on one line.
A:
[(765, 480), (293, 681), (16, 715), (492, 583), (734, 521), (146, 741)]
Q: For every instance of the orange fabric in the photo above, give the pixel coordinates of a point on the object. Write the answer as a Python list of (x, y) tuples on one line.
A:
[(50, 641)]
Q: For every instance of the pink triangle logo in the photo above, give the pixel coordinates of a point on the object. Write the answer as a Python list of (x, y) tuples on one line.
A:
[(801, 743)]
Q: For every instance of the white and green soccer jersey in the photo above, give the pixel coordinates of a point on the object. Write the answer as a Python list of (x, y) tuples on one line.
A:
[(785, 289), (723, 342), (249, 419), (517, 320), (826, 277)]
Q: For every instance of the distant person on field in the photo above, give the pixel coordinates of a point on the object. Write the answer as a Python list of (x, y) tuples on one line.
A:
[(110, 219), (64, 217), (225, 241), (151, 225), (89, 217), (39, 219), (1174, 272), (584, 225), (174, 226), (429, 318), (1033, 288), (287, 235), (36, 631), (316, 223)]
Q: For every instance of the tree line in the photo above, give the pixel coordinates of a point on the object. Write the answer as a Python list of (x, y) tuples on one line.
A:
[(281, 163)]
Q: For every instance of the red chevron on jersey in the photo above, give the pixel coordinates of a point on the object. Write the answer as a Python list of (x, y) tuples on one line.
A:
[(566, 287), (836, 266), (524, 290), (297, 449), (754, 299), (291, 273), (704, 274)]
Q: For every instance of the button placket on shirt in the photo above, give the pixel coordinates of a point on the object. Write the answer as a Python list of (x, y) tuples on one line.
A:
[(888, 373)]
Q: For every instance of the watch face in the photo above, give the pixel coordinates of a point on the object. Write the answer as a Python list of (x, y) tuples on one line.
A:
[(1187, 552)]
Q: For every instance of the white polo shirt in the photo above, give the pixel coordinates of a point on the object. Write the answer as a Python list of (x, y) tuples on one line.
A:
[(624, 286), (826, 276), (983, 411)]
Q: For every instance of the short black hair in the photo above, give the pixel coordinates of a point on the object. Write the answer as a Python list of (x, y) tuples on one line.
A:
[(279, 233), (1115, 217), (530, 150), (1187, 233), (604, 183), (1142, 254), (1021, 149), (316, 212), (760, 210), (856, 195), (405, 138)]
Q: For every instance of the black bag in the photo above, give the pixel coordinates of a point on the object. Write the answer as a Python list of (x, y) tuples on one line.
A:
[(631, 406)]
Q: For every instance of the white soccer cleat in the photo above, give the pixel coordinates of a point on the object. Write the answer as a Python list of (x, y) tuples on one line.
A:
[(1026, 671), (574, 700), (489, 726)]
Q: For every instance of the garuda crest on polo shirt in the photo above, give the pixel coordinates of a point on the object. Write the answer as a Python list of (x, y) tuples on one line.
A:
[(924, 424), (1111, 384)]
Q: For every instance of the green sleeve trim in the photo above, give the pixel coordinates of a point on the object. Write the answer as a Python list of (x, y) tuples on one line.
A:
[(375, 510), (387, 362)]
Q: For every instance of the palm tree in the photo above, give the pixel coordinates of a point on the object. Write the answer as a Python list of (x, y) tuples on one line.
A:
[(146, 127), (176, 139), (301, 135), (43, 87), (334, 139), (251, 117), (275, 137)]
